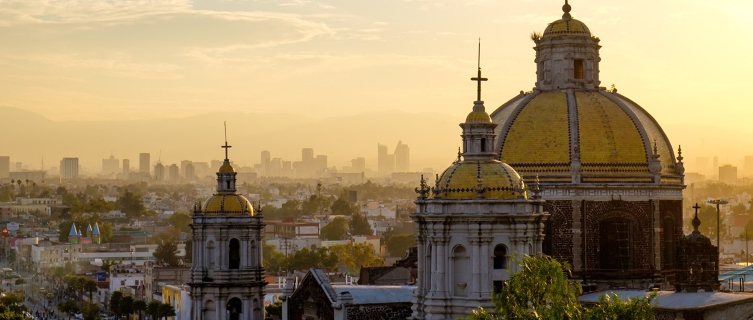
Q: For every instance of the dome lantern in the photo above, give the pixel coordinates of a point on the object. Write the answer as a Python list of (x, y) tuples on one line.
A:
[(567, 56)]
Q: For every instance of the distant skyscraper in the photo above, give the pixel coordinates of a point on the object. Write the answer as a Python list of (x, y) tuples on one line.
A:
[(321, 162), (307, 154), (358, 164), (382, 154), (4, 167), (402, 157), (174, 173), (144, 162), (190, 173), (110, 165), (159, 172), (69, 168), (715, 164), (727, 174), (126, 166), (183, 167), (201, 169), (747, 165), (265, 158), (215, 166)]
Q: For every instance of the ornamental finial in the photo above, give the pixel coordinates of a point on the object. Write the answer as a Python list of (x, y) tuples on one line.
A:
[(656, 148), (460, 154), (679, 153), (696, 221), (566, 9), (423, 191), (478, 78)]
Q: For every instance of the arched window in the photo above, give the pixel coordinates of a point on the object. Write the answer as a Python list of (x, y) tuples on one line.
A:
[(460, 270), (209, 310), (500, 257), (483, 144), (234, 254), (616, 244), (578, 69), (668, 256), (234, 309)]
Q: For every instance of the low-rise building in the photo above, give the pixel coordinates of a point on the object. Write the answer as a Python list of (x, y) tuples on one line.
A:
[(157, 276)]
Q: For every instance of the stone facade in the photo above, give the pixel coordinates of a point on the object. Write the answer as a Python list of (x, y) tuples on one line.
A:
[(227, 275)]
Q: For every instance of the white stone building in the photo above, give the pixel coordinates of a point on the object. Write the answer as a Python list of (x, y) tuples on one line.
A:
[(227, 276)]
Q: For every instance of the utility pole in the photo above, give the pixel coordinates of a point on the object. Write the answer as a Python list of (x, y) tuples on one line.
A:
[(717, 202)]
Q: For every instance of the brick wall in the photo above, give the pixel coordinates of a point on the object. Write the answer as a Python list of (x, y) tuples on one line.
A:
[(559, 234), (639, 212)]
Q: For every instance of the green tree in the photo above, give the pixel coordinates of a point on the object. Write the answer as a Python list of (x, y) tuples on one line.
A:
[(707, 215), (274, 260), (167, 252), (610, 307), (341, 206), (398, 244), (90, 311), (130, 204), (13, 303), (125, 306), (166, 310), (359, 225), (180, 221), (335, 230), (353, 257), (189, 250), (153, 309), (139, 306), (115, 299), (90, 286), (68, 307)]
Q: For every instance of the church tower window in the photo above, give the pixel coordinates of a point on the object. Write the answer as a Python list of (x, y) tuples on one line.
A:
[(234, 308), (234, 254), (500, 257), (578, 69), (483, 144)]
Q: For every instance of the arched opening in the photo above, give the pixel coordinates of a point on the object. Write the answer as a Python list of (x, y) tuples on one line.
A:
[(234, 255), (500, 257), (668, 238), (234, 309), (483, 144), (257, 309), (460, 262), (210, 311), (578, 69), (616, 244), (228, 185)]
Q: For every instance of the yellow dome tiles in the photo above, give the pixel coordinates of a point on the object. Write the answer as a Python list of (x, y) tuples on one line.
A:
[(228, 205), (608, 135), (566, 27), (540, 134), (461, 181), (478, 116), (227, 168)]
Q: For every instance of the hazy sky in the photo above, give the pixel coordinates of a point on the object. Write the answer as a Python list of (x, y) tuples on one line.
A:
[(685, 61)]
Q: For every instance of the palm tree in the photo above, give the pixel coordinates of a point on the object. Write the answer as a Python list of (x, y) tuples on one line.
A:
[(139, 306), (152, 309), (90, 286)]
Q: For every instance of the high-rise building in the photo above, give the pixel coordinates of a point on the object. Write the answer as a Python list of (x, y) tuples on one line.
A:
[(110, 165), (320, 163), (69, 168), (402, 157), (727, 174), (748, 165), (174, 173), (183, 166), (190, 173), (215, 165), (159, 172), (144, 162), (715, 164), (4, 167), (201, 169), (265, 158), (358, 164), (126, 166), (382, 154)]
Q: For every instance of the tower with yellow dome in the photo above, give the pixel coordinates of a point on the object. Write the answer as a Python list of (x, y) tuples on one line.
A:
[(477, 215), (227, 275), (611, 180)]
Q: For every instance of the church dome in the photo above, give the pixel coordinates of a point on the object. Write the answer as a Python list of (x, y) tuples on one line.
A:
[(601, 135), (478, 117), (227, 205), (464, 179), (566, 27), (226, 167)]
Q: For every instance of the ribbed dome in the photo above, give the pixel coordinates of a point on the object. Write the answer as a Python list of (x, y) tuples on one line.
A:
[(464, 179), (600, 135), (566, 27), (227, 205), (227, 168), (478, 116)]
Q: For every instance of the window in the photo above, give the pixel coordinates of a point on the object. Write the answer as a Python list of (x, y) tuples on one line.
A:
[(578, 69), (668, 257), (235, 254), (616, 244), (234, 308), (483, 144), (500, 257)]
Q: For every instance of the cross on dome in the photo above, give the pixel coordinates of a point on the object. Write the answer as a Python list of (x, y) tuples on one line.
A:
[(478, 78), (226, 146)]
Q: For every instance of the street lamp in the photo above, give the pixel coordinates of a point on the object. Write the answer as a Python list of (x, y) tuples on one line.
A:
[(717, 202)]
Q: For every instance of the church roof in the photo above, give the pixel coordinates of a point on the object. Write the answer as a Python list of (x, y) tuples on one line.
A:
[(567, 26), (73, 232), (372, 294), (95, 231), (608, 136), (465, 180), (228, 205)]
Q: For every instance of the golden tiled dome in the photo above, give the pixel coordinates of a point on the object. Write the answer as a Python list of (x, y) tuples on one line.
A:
[(228, 205), (610, 137), (227, 168), (566, 27), (478, 116), (464, 179)]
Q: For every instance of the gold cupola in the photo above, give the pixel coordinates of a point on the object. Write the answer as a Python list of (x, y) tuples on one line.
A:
[(477, 174), (226, 202)]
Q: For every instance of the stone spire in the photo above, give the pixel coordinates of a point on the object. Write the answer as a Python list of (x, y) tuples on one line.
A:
[(478, 129), (226, 176)]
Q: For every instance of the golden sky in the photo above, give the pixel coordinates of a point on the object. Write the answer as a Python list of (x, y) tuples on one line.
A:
[(685, 61)]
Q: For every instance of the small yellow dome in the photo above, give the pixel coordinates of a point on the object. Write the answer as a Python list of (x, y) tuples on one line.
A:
[(227, 168), (228, 205), (566, 27), (498, 180), (478, 116)]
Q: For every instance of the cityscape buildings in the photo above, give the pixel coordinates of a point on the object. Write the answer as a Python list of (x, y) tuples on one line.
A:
[(144, 163), (69, 168)]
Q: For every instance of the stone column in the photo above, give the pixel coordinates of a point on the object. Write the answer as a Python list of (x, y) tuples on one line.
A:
[(657, 228), (441, 262), (245, 252), (475, 286), (485, 272), (433, 269), (248, 309)]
